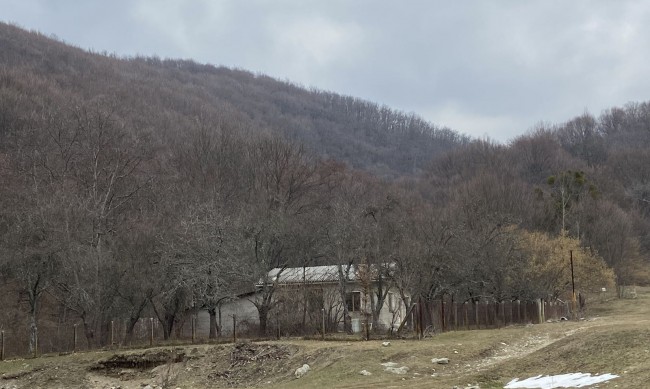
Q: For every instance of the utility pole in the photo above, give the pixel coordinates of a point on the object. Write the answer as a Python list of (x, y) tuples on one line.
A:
[(573, 281), (573, 286)]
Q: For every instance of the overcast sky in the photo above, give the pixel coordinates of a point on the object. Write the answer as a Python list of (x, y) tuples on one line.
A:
[(487, 68)]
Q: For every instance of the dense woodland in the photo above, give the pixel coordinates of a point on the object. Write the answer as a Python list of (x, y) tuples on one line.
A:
[(141, 186)]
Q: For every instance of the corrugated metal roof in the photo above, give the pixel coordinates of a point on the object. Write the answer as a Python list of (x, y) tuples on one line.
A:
[(310, 274)]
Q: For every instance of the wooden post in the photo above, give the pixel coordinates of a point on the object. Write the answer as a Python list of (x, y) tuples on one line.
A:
[(420, 313), (234, 328), (151, 333), (466, 316), (455, 308), (323, 322), (487, 314), (2, 345), (573, 289), (36, 344), (442, 313), (476, 315), (112, 334), (74, 338), (567, 310), (503, 314), (518, 312), (193, 329), (526, 305)]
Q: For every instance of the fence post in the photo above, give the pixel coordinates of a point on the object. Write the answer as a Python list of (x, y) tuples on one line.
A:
[(455, 307), (234, 328), (518, 312), (420, 319), (2, 345), (497, 315), (112, 334), (323, 321), (74, 338), (526, 307), (466, 316), (442, 313), (512, 312), (487, 314), (568, 311), (193, 329), (476, 315), (151, 333)]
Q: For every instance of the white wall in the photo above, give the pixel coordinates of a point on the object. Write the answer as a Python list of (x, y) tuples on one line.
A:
[(246, 314)]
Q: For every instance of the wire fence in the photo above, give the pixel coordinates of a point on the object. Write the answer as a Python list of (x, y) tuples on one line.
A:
[(423, 319)]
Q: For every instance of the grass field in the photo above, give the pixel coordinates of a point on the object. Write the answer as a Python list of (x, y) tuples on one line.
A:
[(613, 338)]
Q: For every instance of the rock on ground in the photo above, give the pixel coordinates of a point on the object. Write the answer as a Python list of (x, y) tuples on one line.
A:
[(301, 371)]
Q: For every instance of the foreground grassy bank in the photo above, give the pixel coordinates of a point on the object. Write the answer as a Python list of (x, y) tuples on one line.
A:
[(613, 338)]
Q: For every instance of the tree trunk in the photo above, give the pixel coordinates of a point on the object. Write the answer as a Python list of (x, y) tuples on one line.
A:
[(89, 332), (168, 325), (33, 332), (133, 320), (347, 320), (263, 314), (105, 332), (130, 327), (213, 323)]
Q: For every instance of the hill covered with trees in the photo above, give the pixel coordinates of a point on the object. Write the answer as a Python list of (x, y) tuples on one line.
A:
[(140, 186), (166, 96)]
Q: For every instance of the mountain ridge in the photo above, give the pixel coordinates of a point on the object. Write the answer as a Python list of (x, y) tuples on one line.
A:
[(363, 134)]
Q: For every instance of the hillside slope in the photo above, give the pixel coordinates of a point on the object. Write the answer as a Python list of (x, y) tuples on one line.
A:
[(169, 96)]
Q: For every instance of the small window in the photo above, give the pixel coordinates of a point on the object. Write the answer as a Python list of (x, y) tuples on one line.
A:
[(353, 301)]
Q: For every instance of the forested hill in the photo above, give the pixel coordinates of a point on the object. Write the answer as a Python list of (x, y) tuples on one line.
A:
[(169, 96), (139, 187)]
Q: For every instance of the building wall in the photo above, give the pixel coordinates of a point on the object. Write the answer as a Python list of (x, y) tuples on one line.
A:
[(248, 320), (242, 308)]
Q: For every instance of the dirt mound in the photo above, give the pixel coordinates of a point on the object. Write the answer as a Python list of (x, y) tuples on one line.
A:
[(244, 353), (252, 363), (141, 361)]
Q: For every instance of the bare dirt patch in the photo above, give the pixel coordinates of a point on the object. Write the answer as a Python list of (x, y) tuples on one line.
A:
[(142, 361)]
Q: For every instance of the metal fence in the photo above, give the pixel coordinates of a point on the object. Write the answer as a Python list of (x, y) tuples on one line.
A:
[(429, 317)]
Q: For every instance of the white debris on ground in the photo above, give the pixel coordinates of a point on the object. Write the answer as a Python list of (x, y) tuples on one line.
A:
[(391, 367), (571, 380), (301, 371), (440, 361), (365, 372), (385, 344)]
